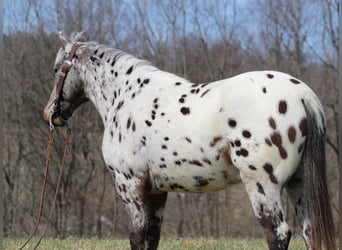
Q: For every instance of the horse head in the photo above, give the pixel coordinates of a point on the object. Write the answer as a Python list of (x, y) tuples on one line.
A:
[(67, 93)]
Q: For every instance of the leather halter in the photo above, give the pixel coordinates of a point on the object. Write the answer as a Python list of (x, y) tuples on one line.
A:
[(64, 69)]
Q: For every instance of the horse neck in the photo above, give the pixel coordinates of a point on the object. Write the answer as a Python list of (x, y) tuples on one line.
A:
[(106, 74)]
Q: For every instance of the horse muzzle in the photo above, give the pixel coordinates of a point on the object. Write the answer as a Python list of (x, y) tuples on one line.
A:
[(52, 117)]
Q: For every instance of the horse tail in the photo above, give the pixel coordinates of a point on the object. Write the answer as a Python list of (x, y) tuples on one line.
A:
[(317, 210)]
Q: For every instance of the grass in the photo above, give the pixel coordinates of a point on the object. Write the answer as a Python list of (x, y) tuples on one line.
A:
[(165, 244)]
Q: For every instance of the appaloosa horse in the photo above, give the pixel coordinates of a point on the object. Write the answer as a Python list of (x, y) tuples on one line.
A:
[(163, 134)]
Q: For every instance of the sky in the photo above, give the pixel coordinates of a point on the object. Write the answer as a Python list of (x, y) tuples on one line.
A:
[(21, 15)]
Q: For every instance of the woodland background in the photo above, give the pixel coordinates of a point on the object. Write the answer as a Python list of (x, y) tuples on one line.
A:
[(200, 40)]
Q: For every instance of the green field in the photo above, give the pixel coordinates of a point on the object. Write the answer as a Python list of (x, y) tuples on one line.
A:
[(165, 244)]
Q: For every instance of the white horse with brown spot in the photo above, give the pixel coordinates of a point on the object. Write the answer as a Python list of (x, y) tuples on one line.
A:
[(165, 134)]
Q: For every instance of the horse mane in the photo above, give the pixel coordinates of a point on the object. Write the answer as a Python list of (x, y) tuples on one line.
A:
[(78, 37)]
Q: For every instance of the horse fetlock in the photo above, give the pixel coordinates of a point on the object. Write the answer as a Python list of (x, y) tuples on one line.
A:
[(137, 240), (279, 243)]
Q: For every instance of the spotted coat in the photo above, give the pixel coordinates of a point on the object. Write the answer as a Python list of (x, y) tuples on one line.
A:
[(163, 134)]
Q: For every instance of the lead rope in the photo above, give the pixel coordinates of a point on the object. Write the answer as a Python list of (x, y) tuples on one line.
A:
[(65, 155), (48, 152)]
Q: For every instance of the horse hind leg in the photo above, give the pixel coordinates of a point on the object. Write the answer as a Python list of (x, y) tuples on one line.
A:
[(265, 198), (156, 204), (294, 189)]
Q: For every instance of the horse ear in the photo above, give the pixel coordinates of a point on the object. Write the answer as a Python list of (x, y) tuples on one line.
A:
[(63, 39)]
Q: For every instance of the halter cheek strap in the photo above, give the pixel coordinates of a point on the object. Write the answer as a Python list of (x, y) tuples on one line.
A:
[(62, 75)]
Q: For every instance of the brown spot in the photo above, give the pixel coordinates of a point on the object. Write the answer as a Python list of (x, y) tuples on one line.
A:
[(205, 92), (246, 134), (244, 152), (264, 90), (237, 143), (129, 123), (185, 110), (206, 160), (251, 167), (188, 139), (215, 140), (303, 126), (133, 126), (260, 188), (177, 83), (276, 140), (272, 123), (283, 153), (269, 169), (119, 105), (268, 142), (148, 123), (232, 123), (282, 107), (270, 76), (129, 71), (164, 146), (200, 181), (292, 134), (295, 81), (196, 162)]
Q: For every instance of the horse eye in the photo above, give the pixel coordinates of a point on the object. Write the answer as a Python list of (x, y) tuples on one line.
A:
[(55, 70)]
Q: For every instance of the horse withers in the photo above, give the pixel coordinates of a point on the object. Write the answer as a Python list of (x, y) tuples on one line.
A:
[(164, 134)]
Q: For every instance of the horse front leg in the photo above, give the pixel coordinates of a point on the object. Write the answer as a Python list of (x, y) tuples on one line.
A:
[(145, 210), (133, 192)]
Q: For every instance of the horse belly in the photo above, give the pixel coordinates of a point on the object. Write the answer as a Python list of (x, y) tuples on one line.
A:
[(188, 175)]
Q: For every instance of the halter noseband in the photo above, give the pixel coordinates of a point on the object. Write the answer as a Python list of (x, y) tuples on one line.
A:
[(64, 69)]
